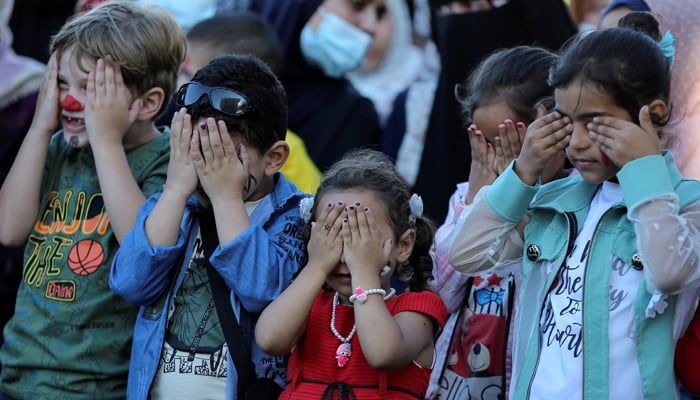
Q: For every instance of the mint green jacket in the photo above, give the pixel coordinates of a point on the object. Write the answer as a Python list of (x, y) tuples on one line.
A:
[(557, 211)]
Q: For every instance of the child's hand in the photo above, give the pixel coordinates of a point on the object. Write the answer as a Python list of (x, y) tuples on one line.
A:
[(482, 171), (221, 168), (326, 243), (623, 141), (182, 176), (46, 112), (109, 111), (365, 251), (547, 136), (508, 143)]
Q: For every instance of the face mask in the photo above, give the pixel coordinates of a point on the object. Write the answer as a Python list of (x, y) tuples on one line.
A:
[(336, 47)]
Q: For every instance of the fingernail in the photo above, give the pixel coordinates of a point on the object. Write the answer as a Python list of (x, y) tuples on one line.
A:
[(329, 205), (366, 209), (520, 125)]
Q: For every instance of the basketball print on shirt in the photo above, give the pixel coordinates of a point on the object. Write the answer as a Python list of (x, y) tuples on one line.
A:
[(86, 256)]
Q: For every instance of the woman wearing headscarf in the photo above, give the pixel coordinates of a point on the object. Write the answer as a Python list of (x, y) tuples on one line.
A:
[(323, 41)]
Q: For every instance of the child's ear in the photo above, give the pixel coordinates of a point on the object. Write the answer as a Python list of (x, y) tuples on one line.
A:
[(658, 110), (151, 101), (405, 245), (276, 156)]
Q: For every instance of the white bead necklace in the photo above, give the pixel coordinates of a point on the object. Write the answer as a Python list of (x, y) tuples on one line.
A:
[(343, 353)]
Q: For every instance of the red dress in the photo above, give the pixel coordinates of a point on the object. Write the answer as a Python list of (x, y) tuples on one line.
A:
[(313, 371)]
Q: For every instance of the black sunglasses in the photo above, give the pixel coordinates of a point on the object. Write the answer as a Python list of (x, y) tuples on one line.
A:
[(227, 101)]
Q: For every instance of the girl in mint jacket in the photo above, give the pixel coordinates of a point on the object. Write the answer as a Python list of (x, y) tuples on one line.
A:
[(610, 256)]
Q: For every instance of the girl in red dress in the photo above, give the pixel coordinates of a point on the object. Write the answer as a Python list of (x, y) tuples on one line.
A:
[(350, 334)]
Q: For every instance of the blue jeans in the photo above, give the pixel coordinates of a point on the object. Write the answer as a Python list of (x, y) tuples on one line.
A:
[(6, 397)]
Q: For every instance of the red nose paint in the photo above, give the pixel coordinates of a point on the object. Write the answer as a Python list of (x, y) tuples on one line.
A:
[(71, 104), (604, 157)]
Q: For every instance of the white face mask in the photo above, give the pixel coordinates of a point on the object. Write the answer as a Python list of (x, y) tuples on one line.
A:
[(337, 47)]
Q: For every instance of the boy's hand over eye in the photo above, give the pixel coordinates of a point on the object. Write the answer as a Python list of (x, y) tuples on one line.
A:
[(109, 110)]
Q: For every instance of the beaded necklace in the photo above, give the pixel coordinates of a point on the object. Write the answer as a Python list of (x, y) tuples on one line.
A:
[(344, 351)]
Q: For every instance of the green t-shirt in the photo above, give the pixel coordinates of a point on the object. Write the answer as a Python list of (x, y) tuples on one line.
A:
[(70, 336)]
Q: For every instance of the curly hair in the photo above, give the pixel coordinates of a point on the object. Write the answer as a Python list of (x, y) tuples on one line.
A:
[(250, 76)]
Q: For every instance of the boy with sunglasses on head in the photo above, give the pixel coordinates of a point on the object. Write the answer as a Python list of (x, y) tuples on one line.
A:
[(227, 147)]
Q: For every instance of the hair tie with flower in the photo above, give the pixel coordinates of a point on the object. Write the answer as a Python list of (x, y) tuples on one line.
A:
[(305, 206), (416, 205)]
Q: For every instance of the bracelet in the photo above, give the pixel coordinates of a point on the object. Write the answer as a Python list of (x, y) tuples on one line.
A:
[(361, 294)]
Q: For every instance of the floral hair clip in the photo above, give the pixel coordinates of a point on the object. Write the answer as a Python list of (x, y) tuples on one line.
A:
[(305, 206), (416, 205)]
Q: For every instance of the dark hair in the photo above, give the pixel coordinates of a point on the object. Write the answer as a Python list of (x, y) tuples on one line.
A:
[(240, 33), (516, 75), (625, 63), (375, 171), (250, 76), (641, 21)]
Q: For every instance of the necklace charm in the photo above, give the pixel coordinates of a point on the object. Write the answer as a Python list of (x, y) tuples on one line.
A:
[(343, 353)]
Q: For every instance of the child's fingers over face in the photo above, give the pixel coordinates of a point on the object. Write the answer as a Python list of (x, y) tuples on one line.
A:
[(229, 148), (329, 223), (549, 123), (330, 216), (479, 148), (110, 86), (365, 222), (216, 148), (325, 246), (47, 109), (623, 140), (181, 131), (352, 224), (510, 139)]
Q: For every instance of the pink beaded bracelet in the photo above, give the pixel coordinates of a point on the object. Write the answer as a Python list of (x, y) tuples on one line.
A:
[(361, 294)]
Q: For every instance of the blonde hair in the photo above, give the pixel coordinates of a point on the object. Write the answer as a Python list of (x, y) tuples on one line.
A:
[(146, 42)]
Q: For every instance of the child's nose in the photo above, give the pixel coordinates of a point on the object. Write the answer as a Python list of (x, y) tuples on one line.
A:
[(70, 103), (579, 137)]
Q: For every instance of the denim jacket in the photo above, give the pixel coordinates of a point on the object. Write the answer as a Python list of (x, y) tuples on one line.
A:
[(258, 265)]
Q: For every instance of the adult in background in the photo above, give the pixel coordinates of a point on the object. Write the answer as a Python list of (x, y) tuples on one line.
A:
[(20, 80), (322, 41)]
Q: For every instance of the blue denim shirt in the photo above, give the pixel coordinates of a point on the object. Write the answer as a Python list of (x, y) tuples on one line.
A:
[(258, 265)]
